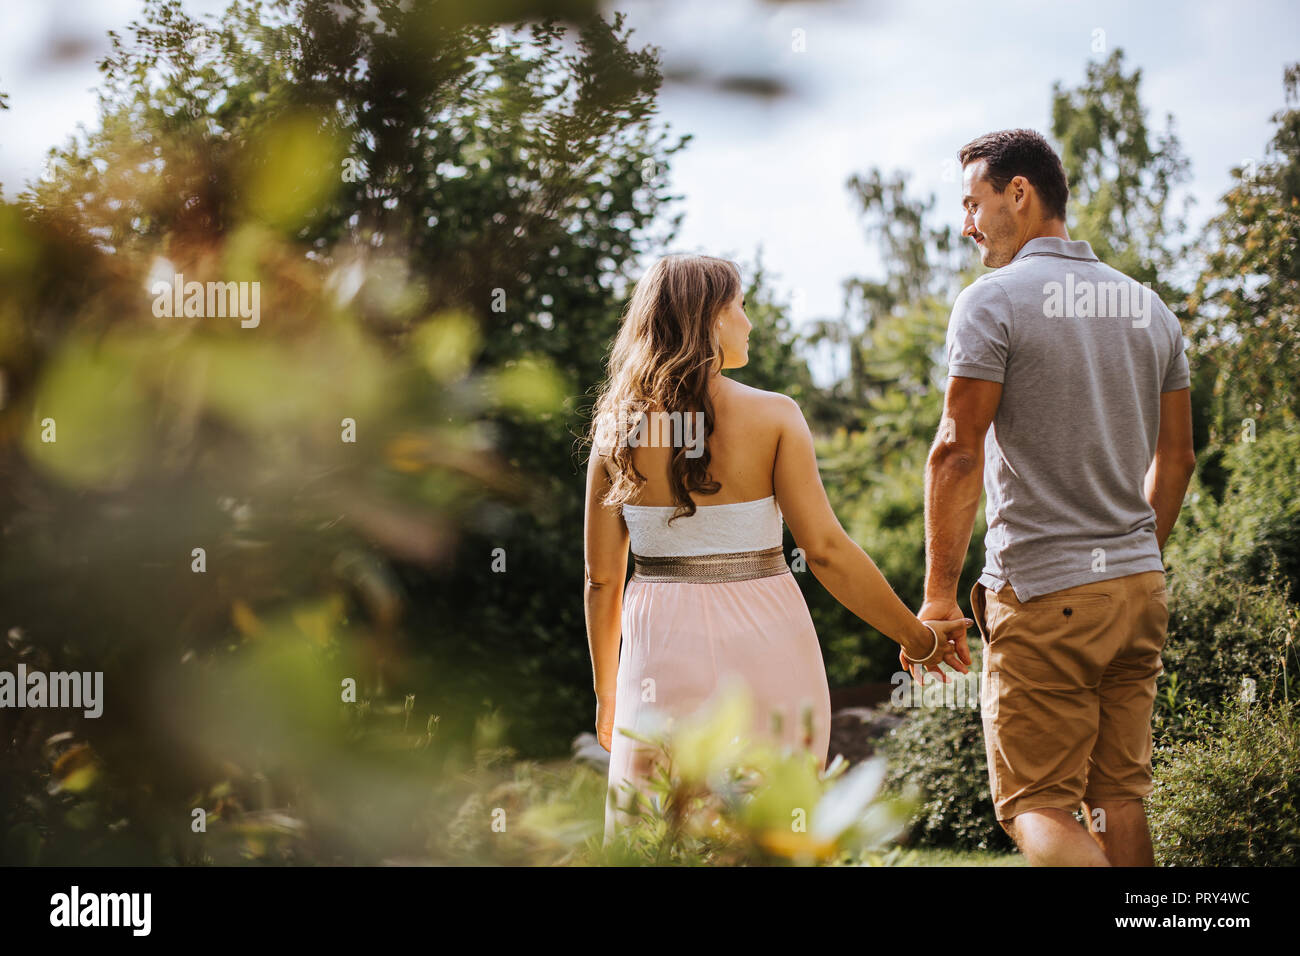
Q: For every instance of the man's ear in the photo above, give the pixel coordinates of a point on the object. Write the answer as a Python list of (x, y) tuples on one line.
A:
[(1019, 192)]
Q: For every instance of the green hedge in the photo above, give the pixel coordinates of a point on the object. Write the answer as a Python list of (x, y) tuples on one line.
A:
[(1228, 637), (939, 751), (1232, 798)]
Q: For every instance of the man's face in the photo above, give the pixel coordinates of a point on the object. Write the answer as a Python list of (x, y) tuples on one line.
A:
[(990, 218)]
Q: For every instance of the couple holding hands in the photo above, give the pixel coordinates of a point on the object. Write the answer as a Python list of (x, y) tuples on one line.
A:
[(1075, 422)]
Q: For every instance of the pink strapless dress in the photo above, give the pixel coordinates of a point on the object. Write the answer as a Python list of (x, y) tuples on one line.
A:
[(711, 600)]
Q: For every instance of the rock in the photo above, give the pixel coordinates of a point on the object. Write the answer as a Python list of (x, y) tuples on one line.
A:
[(855, 731)]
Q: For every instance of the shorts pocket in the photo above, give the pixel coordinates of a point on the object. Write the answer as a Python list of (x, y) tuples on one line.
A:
[(1051, 602), (1055, 644)]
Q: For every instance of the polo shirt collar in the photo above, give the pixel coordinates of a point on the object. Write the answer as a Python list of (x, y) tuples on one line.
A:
[(1052, 246)]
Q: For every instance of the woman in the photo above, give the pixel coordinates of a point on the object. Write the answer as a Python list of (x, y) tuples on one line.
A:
[(700, 499)]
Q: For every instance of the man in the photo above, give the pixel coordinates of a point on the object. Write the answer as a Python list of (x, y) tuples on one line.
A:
[(1068, 399)]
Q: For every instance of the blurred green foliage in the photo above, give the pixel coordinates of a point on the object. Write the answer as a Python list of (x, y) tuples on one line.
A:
[(718, 798), (441, 217)]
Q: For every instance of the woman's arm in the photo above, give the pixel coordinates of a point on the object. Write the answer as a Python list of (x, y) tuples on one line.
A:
[(837, 561), (605, 557)]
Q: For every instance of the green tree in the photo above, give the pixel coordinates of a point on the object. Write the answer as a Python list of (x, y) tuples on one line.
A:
[(921, 263), (1122, 176), (775, 363), (888, 409), (1243, 320)]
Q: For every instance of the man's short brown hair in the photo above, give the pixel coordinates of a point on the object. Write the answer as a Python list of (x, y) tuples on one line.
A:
[(1021, 152)]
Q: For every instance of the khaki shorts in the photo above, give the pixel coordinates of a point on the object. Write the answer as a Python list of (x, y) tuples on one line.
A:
[(1070, 679)]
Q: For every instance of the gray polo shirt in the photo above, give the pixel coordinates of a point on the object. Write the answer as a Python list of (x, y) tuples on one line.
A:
[(1083, 353)]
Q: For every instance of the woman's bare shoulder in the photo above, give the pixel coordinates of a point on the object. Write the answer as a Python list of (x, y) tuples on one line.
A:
[(770, 406)]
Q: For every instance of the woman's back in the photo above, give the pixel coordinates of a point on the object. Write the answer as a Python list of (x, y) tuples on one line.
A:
[(711, 599), (743, 515), (743, 448)]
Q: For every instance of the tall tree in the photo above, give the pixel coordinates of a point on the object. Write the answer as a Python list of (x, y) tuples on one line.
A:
[(1245, 318), (1122, 176), (889, 405)]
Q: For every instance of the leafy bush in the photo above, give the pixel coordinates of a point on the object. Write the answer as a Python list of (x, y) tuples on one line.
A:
[(940, 751), (1232, 799), (1227, 637), (1253, 524), (1235, 568)]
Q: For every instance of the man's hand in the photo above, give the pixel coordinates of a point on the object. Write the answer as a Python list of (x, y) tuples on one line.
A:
[(950, 649), (947, 610)]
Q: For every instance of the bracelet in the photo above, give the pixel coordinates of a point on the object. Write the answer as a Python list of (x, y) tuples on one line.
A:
[(922, 660)]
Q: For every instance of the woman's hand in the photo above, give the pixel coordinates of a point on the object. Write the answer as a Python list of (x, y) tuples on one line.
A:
[(946, 650), (605, 721), (946, 609)]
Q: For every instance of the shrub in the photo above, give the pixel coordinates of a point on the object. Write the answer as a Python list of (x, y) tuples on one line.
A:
[(1227, 637), (1235, 568), (940, 751), (1232, 798), (1254, 525)]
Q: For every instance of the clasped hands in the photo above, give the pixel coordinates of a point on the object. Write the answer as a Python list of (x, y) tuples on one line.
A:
[(950, 624)]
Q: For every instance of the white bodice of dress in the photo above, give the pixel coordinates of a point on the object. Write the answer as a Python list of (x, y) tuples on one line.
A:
[(713, 529)]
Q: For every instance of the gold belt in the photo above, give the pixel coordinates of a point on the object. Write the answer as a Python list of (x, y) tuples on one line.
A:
[(710, 568)]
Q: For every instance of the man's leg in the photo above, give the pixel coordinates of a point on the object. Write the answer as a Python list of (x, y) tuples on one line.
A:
[(1042, 660), (1120, 765), (1052, 837), (1120, 829)]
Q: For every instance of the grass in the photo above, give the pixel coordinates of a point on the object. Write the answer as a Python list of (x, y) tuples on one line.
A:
[(938, 857)]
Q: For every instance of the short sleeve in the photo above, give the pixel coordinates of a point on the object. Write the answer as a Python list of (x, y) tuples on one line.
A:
[(979, 332), (1177, 373)]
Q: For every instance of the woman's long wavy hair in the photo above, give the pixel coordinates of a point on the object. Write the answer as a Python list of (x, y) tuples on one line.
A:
[(661, 361)]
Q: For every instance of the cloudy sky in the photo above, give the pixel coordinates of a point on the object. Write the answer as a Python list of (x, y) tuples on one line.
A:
[(899, 85), (904, 85)]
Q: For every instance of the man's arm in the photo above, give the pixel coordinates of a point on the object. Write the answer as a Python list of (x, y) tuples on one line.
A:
[(954, 478), (1174, 462)]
